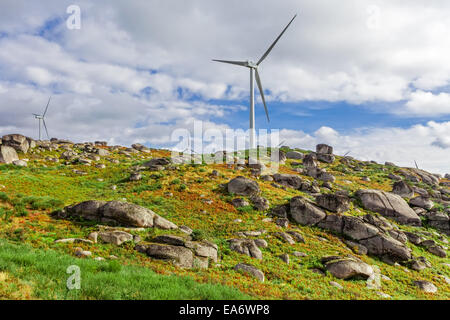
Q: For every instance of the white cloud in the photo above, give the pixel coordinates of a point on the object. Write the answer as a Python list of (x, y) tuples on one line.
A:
[(427, 103), (330, 53)]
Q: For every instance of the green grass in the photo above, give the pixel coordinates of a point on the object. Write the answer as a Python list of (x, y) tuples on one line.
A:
[(45, 271)]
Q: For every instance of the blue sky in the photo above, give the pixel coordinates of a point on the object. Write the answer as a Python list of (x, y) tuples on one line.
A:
[(368, 76)]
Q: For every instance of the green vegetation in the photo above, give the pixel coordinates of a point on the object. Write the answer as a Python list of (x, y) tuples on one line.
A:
[(34, 265), (45, 274)]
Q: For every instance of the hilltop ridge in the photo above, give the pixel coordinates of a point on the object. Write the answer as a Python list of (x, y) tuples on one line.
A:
[(320, 226)]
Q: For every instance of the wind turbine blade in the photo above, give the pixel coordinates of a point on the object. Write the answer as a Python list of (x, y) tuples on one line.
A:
[(258, 81), (46, 108), (239, 63), (275, 42), (45, 126)]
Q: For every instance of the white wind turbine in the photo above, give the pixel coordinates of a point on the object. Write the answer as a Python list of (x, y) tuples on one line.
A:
[(41, 117), (254, 74)]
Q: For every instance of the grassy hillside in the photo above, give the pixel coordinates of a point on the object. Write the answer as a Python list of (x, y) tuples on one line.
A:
[(191, 196)]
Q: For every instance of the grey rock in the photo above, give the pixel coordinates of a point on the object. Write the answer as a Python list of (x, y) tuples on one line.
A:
[(170, 239), (135, 176), (394, 177), (247, 247), (156, 162), (285, 237), (324, 149), (422, 202), (304, 212), (260, 203), (239, 202), (8, 154), (261, 243), (180, 256), (115, 237), (288, 180), (296, 236), (284, 257), (282, 222), (310, 161), (387, 248), (425, 286), (413, 238), (243, 187), (251, 270), (356, 247), (121, 213), (328, 158), (333, 202), (18, 142), (356, 229), (347, 268), (389, 205), (403, 189), (294, 155), (437, 251), (20, 163)]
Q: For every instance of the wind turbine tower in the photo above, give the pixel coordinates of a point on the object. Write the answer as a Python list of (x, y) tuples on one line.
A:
[(254, 74), (41, 117)]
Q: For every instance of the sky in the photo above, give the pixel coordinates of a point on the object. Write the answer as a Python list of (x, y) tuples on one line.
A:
[(371, 78)]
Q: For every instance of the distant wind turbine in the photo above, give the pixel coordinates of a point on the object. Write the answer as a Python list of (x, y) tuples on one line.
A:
[(41, 117), (254, 73)]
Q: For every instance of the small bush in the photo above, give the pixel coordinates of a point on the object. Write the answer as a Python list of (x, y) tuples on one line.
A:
[(4, 197), (147, 187), (5, 214), (198, 235), (245, 209), (111, 266)]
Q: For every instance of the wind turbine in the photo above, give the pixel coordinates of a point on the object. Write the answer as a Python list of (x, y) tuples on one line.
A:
[(254, 74), (41, 117)]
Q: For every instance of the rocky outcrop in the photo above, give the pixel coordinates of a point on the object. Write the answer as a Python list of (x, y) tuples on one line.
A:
[(439, 221), (181, 251), (310, 161), (8, 154), (294, 155), (304, 212), (347, 267), (180, 256), (374, 233), (324, 153), (243, 187), (117, 213), (333, 202), (324, 149), (426, 177), (156, 162), (288, 180), (18, 142), (422, 202), (389, 205), (250, 270), (425, 286), (387, 248), (260, 203), (239, 202), (115, 237), (402, 189), (246, 246)]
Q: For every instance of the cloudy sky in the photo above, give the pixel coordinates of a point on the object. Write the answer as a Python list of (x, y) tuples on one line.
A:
[(369, 77)]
